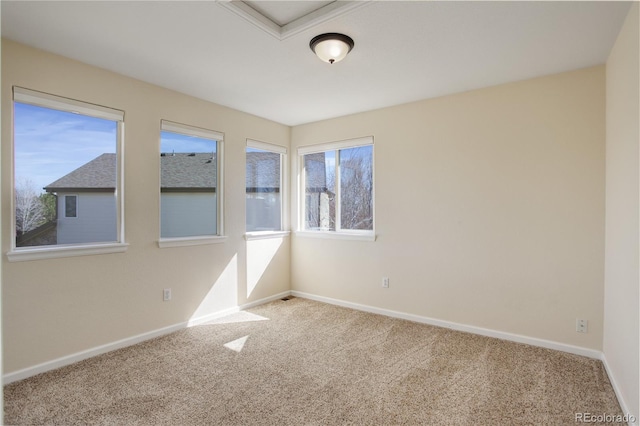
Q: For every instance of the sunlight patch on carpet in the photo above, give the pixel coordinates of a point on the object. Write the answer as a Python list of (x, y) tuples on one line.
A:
[(242, 316), (236, 345)]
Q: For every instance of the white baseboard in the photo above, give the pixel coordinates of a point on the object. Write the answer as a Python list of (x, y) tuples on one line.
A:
[(577, 350), (265, 300), (616, 388), (210, 317), (98, 350), (79, 356)]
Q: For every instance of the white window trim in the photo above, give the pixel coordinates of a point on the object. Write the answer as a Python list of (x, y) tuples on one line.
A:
[(218, 137), (338, 235), (33, 97), (46, 100), (284, 189), (190, 241), (334, 146), (187, 130), (263, 235), (265, 146), (343, 234), (53, 252)]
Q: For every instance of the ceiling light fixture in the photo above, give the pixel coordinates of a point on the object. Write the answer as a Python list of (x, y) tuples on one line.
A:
[(331, 47)]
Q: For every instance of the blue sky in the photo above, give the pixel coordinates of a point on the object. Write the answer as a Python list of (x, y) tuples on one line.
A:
[(50, 143), (170, 142)]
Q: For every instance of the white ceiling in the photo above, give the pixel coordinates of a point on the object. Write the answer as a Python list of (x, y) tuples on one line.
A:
[(404, 51)]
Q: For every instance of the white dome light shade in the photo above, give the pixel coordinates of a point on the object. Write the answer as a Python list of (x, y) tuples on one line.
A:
[(331, 47)]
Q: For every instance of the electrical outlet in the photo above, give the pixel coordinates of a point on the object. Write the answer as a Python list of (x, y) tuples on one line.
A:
[(581, 325), (166, 294), (385, 282)]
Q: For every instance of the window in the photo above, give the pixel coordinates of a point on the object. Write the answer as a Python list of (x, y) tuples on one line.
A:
[(338, 187), (190, 182), (66, 157), (70, 206), (264, 178)]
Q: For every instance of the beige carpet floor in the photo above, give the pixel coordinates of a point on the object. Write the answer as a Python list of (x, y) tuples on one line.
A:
[(301, 362)]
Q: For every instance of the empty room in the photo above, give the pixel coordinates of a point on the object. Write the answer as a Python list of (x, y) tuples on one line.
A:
[(320, 212)]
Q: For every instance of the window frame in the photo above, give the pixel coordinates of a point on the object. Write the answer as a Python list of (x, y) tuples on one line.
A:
[(284, 219), (199, 132), (46, 100), (338, 233)]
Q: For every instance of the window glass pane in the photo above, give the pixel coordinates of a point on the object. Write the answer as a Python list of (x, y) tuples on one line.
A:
[(338, 190), (56, 153), (356, 188), (263, 196), (320, 180), (188, 186), (70, 206)]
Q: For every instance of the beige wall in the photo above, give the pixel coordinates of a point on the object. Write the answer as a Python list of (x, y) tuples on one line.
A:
[(621, 307), (1, 347), (489, 210), (54, 308)]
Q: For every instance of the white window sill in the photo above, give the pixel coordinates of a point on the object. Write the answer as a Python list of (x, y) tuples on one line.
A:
[(53, 252), (190, 241), (261, 235), (332, 235)]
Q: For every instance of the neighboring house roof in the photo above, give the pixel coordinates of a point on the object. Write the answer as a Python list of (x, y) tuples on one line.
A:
[(98, 174), (180, 171), (191, 171), (263, 172)]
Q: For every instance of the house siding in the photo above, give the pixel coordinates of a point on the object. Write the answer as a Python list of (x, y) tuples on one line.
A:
[(96, 219), (263, 211), (188, 214)]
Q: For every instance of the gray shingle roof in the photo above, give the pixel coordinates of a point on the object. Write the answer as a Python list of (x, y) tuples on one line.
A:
[(179, 171), (98, 174), (184, 170), (263, 172)]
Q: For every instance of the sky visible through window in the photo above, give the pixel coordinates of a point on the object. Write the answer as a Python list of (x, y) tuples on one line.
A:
[(49, 143), (174, 142)]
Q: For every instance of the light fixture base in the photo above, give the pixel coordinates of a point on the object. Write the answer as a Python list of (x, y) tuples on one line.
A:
[(331, 47)]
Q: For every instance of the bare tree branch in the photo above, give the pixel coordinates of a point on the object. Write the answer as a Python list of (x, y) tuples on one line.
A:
[(29, 209)]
